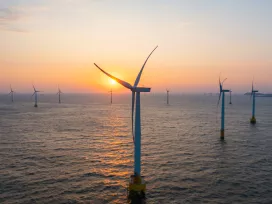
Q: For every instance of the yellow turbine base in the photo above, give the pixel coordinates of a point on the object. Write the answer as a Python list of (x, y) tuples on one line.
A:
[(253, 120), (136, 190), (222, 134)]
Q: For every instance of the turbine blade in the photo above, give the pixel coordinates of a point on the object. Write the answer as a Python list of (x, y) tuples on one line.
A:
[(132, 114), (123, 83), (140, 73), (220, 85), (33, 94), (219, 99)]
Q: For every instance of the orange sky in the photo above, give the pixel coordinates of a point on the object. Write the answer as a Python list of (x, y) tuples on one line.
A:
[(56, 42)]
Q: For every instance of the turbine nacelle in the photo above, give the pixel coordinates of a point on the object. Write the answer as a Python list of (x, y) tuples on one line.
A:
[(11, 90), (252, 89), (221, 84), (225, 90), (221, 89), (140, 89), (35, 91)]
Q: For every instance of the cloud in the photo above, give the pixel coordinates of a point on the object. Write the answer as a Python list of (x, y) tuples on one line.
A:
[(8, 17)]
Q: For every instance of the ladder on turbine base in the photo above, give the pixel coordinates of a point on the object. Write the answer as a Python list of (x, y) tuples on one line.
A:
[(136, 190)]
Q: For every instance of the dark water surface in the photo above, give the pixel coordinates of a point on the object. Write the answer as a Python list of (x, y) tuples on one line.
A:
[(81, 151)]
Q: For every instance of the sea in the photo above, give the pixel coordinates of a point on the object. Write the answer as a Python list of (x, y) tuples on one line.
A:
[(81, 151)]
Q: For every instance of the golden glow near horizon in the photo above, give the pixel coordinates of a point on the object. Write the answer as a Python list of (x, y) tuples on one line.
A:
[(112, 81), (56, 42)]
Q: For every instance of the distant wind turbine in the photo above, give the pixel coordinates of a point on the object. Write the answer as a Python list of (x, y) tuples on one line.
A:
[(136, 186), (167, 96), (59, 93), (230, 96), (11, 93), (36, 96), (110, 96), (253, 119), (222, 91)]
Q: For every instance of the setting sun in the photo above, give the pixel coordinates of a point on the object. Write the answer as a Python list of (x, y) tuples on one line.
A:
[(112, 82)]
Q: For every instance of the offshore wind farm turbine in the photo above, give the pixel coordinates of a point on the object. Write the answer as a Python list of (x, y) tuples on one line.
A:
[(222, 91), (253, 119), (230, 96), (137, 186), (59, 93), (36, 96), (110, 96), (167, 96), (11, 93)]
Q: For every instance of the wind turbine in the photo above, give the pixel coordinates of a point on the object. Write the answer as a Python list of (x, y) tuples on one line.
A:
[(59, 92), (230, 96), (36, 96), (222, 91), (136, 186), (167, 95), (253, 119), (11, 93), (110, 96)]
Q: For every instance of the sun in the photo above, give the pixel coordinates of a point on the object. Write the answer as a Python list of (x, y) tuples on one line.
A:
[(112, 82)]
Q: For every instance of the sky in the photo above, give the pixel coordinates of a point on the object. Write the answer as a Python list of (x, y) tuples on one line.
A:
[(55, 42)]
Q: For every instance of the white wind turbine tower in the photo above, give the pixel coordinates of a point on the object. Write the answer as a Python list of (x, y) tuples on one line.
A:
[(11, 93), (59, 93), (167, 96), (36, 96), (136, 186), (110, 96)]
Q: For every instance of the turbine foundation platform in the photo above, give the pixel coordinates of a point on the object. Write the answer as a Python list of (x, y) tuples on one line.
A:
[(222, 134), (253, 120), (136, 190), (35, 105)]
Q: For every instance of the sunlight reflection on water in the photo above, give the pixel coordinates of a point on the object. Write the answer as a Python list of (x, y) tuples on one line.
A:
[(72, 153)]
